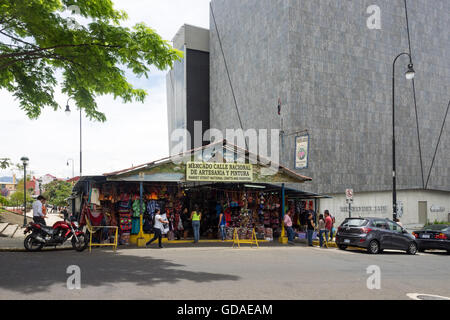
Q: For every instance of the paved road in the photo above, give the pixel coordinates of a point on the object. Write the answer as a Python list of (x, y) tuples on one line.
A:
[(222, 273)]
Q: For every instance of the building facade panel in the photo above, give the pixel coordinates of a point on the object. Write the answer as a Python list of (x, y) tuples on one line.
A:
[(334, 77)]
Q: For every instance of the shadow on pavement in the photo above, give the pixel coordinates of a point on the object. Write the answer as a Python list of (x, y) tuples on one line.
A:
[(36, 272)]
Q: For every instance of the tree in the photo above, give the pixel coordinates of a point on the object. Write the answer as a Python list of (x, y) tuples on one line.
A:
[(56, 192), (36, 41), (4, 163), (16, 199), (3, 201)]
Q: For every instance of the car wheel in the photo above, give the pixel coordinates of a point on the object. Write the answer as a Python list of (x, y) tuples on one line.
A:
[(342, 247), (412, 249), (374, 247)]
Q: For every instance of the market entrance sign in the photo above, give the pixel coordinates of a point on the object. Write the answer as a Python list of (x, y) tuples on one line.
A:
[(219, 172)]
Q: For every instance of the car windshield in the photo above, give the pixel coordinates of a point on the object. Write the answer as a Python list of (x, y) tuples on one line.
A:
[(354, 223), (437, 227)]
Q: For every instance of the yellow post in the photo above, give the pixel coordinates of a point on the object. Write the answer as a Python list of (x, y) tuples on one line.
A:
[(115, 239), (254, 238), (236, 238), (90, 241), (141, 236)]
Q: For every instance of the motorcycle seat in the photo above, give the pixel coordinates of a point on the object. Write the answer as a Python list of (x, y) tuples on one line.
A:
[(47, 229)]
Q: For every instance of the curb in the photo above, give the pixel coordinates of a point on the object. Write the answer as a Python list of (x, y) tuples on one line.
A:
[(330, 244), (23, 249)]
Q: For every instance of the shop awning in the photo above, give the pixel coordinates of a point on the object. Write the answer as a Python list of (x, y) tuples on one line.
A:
[(291, 193), (80, 185), (174, 169)]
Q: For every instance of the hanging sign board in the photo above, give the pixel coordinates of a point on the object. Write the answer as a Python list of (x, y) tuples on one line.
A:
[(301, 152), (219, 172)]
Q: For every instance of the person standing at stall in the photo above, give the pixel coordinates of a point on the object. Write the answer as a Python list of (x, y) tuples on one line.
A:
[(196, 217), (323, 231), (158, 228), (185, 221), (329, 225), (289, 229), (310, 229)]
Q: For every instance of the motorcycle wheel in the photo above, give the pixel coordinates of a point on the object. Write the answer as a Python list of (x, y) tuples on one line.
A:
[(32, 245), (81, 244)]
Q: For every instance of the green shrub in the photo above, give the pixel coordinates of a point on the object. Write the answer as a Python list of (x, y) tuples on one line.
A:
[(436, 222), (3, 201)]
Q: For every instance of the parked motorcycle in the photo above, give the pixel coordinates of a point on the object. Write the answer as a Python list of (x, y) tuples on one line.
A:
[(44, 236)]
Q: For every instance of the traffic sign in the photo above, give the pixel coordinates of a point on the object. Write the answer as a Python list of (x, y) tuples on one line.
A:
[(349, 194)]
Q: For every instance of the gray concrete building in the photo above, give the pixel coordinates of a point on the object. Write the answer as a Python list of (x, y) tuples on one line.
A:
[(333, 75), (188, 83)]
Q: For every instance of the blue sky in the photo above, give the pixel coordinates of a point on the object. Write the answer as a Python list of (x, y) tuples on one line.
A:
[(135, 133)]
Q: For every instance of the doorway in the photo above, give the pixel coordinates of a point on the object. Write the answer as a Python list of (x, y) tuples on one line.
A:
[(423, 212)]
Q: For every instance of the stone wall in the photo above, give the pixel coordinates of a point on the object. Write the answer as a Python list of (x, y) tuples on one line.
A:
[(334, 77)]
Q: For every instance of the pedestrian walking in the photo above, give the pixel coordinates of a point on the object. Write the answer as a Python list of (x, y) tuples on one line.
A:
[(310, 229), (158, 228), (328, 225), (39, 210), (288, 224), (196, 217), (323, 231), (222, 225), (65, 213)]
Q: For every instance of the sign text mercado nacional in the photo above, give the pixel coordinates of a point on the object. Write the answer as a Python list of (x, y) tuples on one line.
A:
[(219, 172)]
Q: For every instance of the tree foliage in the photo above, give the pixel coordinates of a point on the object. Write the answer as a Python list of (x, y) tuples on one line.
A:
[(3, 201), (4, 163), (36, 41), (17, 198), (56, 192)]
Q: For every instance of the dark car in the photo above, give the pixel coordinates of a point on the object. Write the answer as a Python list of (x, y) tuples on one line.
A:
[(375, 235), (433, 237)]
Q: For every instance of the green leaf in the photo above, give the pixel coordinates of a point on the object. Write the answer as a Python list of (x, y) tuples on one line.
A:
[(36, 41)]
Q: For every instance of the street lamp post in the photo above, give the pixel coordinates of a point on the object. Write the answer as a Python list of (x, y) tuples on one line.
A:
[(40, 188), (410, 74), (25, 162), (81, 153)]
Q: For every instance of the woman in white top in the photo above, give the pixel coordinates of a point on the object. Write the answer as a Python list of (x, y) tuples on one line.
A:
[(158, 228)]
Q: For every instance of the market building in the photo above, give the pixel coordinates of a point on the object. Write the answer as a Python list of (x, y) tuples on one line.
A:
[(317, 67), (252, 196)]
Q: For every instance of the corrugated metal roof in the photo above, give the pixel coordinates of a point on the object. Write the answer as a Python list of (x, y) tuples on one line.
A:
[(226, 145)]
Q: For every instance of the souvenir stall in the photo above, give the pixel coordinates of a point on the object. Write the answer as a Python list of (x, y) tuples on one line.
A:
[(120, 204), (245, 209), (250, 198)]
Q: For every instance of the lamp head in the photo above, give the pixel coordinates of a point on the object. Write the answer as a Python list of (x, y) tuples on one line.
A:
[(410, 74), (24, 160), (67, 110)]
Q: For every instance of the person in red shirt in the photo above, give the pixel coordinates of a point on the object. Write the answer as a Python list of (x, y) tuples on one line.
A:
[(328, 225)]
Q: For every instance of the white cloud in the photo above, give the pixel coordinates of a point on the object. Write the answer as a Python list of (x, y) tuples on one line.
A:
[(134, 134)]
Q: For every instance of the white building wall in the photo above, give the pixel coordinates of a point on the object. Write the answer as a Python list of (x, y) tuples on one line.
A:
[(379, 204)]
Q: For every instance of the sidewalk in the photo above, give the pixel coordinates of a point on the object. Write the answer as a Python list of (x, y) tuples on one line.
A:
[(16, 245)]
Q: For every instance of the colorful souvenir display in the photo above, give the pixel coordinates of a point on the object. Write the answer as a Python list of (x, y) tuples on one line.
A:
[(244, 210)]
